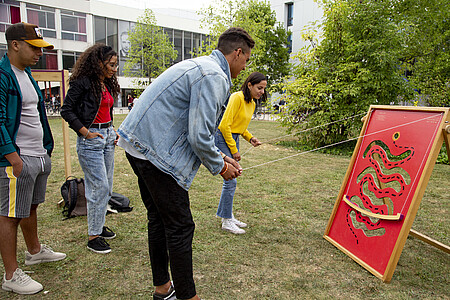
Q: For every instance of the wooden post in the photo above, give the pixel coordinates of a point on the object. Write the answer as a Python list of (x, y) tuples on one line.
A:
[(61, 76), (446, 133)]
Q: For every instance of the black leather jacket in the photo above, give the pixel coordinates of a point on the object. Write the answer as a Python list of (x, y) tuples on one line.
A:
[(80, 105)]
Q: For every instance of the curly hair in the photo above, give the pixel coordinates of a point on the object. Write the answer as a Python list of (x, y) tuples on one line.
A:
[(253, 79), (88, 65)]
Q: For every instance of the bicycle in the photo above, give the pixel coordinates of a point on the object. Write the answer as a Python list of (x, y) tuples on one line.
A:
[(48, 108), (259, 114)]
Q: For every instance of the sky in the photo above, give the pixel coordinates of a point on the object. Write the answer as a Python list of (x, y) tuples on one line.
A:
[(181, 4)]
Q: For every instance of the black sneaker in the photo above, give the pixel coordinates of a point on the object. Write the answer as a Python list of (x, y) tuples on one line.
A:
[(107, 233), (169, 296), (99, 245)]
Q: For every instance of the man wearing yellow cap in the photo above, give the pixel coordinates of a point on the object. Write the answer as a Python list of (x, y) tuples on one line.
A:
[(26, 144)]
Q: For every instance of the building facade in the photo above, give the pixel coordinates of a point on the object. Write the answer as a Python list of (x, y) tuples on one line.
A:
[(72, 26), (295, 15)]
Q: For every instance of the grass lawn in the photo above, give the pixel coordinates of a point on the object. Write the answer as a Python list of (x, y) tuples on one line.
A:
[(282, 256)]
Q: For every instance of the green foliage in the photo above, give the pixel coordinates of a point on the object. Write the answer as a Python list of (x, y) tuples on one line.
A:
[(270, 55), (364, 56), (151, 50), (428, 45), (443, 156)]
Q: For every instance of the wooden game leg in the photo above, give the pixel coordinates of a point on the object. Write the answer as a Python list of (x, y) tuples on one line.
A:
[(429, 240), (447, 140)]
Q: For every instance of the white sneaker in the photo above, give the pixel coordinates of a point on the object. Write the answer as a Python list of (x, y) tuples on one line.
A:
[(45, 255), (237, 222), (229, 225), (21, 283)]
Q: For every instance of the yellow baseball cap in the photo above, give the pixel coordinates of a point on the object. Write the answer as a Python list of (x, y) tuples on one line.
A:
[(27, 32)]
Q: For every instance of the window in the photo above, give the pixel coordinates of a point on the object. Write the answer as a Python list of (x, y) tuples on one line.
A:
[(169, 33), (100, 30), (187, 45), (3, 50), (44, 17), (290, 43), (69, 59), (111, 30), (196, 42), (206, 39), (73, 26), (177, 43), (105, 31), (125, 28), (49, 60), (9, 13), (290, 14)]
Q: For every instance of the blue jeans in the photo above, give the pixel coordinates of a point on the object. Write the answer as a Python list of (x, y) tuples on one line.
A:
[(96, 157), (225, 209)]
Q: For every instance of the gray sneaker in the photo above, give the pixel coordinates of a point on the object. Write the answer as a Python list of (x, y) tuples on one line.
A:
[(45, 255), (21, 283), (237, 222), (229, 225)]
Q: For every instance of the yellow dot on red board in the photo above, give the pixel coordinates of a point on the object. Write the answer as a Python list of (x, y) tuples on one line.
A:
[(396, 136)]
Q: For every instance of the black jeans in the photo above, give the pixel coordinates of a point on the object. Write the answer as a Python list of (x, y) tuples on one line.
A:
[(170, 227)]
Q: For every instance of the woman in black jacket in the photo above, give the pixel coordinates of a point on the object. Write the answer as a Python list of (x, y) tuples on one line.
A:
[(88, 109)]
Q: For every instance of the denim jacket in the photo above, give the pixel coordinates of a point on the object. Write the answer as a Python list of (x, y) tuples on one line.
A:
[(174, 121)]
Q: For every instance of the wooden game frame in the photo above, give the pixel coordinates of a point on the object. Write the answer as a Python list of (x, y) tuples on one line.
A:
[(61, 76), (442, 136)]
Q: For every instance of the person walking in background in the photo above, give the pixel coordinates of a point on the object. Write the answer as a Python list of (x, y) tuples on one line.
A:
[(88, 108), (26, 144), (130, 102), (235, 121), (167, 135)]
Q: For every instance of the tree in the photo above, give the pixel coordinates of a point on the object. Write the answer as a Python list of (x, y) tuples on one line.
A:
[(428, 52), (270, 55), (366, 55), (151, 50)]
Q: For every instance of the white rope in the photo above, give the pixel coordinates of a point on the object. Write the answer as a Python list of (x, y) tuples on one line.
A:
[(305, 130), (338, 143), (327, 146)]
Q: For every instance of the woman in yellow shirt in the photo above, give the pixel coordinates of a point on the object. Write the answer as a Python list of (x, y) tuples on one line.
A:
[(235, 121)]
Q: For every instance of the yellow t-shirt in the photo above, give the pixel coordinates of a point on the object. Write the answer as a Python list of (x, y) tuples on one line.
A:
[(236, 118)]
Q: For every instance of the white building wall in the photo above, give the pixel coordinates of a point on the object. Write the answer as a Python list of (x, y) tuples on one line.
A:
[(305, 12)]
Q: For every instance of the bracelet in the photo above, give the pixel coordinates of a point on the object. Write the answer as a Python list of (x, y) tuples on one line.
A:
[(87, 134), (226, 169), (223, 155)]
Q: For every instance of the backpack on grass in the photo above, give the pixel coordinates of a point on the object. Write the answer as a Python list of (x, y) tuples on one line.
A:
[(72, 192), (75, 203)]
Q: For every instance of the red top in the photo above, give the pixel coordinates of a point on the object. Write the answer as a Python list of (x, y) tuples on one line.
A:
[(103, 115)]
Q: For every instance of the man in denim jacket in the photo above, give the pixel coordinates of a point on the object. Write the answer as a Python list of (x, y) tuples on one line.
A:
[(167, 135)]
